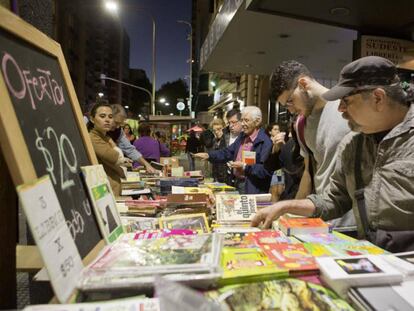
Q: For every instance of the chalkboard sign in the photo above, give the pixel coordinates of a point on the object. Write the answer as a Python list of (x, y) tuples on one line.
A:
[(41, 123)]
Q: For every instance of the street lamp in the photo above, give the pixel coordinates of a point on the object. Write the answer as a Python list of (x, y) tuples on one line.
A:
[(112, 6), (190, 38), (104, 77)]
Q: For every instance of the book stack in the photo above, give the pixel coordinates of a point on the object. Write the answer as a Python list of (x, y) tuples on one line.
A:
[(194, 174), (134, 264), (186, 203), (197, 222), (220, 187), (167, 183), (143, 207), (341, 273), (235, 209), (293, 226)]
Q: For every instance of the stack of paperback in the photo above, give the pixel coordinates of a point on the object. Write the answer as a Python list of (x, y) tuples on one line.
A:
[(187, 203), (298, 225), (341, 273), (235, 209), (167, 183), (134, 263), (143, 207)]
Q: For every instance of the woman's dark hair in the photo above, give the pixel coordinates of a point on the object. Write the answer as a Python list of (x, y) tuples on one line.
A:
[(144, 129), (94, 109)]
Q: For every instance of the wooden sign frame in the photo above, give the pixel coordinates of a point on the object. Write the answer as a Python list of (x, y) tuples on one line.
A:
[(12, 141)]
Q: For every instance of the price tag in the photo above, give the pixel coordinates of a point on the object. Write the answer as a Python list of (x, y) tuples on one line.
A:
[(52, 235)]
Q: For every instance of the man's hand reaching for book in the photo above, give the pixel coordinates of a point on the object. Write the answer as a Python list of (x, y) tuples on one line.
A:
[(265, 216)]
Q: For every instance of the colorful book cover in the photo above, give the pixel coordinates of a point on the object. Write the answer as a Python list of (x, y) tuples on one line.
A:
[(324, 238), (356, 248), (293, 257), (293, 226), (161, 233), (238, 240), (149, 255), (247, 264), (271, 237), (249, 157), (132, 224), (235, 208), (197, 222), (284, 294), (317, 250), (103, 202)]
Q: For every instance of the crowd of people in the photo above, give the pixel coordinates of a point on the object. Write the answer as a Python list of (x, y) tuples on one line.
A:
[(345, 156)]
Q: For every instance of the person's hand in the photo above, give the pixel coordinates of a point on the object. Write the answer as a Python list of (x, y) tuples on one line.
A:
[(150, 169), (267, 215), (127, 162), (278, 141), (201, 155), (236, 164)]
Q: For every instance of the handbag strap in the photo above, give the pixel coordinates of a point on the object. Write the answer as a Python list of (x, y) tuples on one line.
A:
[(359, 187)]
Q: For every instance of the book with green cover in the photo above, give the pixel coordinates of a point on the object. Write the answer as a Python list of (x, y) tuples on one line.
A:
[(356, 248), (284, 294), (242, 265)]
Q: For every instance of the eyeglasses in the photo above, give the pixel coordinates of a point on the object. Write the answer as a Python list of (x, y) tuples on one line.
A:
[(289, 100)]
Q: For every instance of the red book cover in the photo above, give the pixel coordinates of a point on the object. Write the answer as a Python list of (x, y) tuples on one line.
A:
[(292, 226), (293, 257)]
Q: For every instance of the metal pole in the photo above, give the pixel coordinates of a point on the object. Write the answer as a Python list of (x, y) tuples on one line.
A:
[(190, 89), (153, 66), (104, 77)]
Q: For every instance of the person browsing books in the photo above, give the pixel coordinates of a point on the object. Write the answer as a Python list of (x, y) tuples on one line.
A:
[(108, 154), (320, 127), (250, 178), (150, 148), (118, 136), (374, 171)]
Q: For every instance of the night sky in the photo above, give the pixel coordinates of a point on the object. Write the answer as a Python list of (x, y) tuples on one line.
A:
[(172, 48)]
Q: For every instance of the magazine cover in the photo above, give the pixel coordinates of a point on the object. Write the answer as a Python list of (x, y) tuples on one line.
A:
[(284, 294), (293, 257), (132, 224), (197, 222), (103, 202), (235, 208), (356, 248), (246, 265), (122, 263), (325, 238)]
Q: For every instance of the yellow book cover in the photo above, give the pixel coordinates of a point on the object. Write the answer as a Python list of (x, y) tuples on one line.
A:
[(248, 264), (197, 222)]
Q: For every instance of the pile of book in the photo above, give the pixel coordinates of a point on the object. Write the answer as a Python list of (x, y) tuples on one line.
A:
[(134, 263), (167, 183), (187, 203), (143, 207)]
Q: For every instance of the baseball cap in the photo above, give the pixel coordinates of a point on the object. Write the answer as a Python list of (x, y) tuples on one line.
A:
[(363, 72)]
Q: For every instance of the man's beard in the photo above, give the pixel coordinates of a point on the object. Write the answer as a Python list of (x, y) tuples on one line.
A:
[(355, 127), (309, 103)]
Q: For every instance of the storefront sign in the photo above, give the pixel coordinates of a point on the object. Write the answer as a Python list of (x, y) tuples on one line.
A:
[(396, 50)]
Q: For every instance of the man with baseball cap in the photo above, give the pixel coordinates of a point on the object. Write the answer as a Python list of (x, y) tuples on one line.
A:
[(374, 172)]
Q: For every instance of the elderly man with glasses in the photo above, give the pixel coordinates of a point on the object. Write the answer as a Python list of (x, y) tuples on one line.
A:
[(320, 128), (250, 178), (374, 172)]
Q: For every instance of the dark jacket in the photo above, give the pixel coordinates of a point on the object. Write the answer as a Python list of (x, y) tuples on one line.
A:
[(257, 177)]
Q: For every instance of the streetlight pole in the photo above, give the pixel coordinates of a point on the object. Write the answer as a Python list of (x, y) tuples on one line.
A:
[(104, 77), (190, 95), (112, 6)]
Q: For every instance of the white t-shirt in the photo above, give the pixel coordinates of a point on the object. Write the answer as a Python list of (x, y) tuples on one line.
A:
[(324, 130)]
